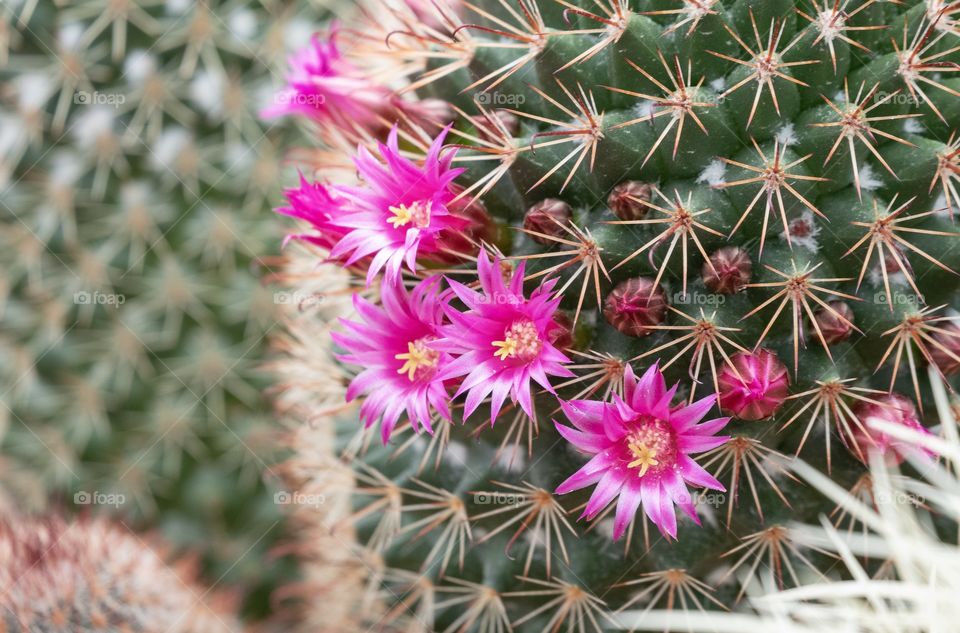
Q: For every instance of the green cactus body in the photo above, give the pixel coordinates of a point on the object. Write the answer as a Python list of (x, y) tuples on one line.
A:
[(134, 170), (788, 142)]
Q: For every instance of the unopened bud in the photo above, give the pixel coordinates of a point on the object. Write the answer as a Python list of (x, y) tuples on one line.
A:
[(635, 305), (627, 200)]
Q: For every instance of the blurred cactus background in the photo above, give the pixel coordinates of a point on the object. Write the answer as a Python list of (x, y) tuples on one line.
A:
[(135, 175)]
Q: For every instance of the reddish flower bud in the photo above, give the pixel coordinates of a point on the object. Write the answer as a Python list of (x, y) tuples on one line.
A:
[(548, 217), (482, 228), (894, 265), (634, 305), (435, 111), (625, 199), (561, 333), (730, 271), (507, 119), (946, 349), (834, 328), (890, 409), (755, 387)]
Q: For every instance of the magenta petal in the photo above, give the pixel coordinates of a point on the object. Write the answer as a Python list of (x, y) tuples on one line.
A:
[(649, 490), (523, 397), (649, 390), (586, 415), (627, 506), (692, 413), (673, 484), (662, 407), (696, 475), (629, 382), (711, 426), (701, 443), (583, 441), (578, 480), (607, 489), (667, 514)]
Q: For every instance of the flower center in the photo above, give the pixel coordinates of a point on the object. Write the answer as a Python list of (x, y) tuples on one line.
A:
[(420, 361), (417, 213), (651, 447), (521, 340)]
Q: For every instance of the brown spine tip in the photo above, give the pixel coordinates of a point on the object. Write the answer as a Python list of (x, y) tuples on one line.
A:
[(626, 200), (728, 271), (635, 305), (548, 217), (834, 328)]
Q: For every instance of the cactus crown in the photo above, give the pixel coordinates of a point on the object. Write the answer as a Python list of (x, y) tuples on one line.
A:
[(750, 203), (91, 575)]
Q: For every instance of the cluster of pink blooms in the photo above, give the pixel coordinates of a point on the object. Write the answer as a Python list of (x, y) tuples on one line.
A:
[(425, 346)]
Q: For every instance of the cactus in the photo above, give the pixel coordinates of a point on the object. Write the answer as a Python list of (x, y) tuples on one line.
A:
[(133, 169), (91, 575), (612, 259)]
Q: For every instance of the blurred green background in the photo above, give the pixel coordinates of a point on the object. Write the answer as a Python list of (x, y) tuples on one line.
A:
[(136, 182)]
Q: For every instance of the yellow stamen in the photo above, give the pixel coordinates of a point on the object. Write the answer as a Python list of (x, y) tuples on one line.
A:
[(417, 356), (418, 213), (520, 340), (401, 216), (507, 348), (645, 457)]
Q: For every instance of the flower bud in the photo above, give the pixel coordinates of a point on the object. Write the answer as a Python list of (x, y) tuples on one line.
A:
[(509, 120), (833, 328), (635, 305), (625, 197), (945, 350), (458, 245), (755, 387), (730, 271), (548, 217), (561, 332), (890, 408)]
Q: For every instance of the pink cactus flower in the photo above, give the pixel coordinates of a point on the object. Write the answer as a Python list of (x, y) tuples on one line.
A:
[(890, 409), (401, 371), (503, 341), (641, 447), (401, 212), (755, 386), (326, 87), (318, 205)]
